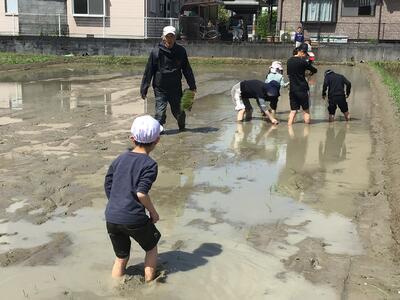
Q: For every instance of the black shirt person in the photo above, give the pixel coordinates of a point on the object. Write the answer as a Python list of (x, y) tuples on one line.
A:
[(335, 84), (259, 90), (165, 66), (299, 89)]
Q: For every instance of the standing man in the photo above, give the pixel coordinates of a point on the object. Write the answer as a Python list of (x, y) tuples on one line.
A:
[(166, 64), (299, 89)]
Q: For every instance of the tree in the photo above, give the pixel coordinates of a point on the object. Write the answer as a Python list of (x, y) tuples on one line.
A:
[(263, 28)]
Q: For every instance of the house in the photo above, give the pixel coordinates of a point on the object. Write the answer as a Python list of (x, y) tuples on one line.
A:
[(342, 20), (88, 18)]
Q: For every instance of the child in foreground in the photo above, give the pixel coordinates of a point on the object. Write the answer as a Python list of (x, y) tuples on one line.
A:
[(127, 183)]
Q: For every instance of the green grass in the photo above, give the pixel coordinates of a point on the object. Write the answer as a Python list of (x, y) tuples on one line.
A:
[(21, 59), (390, 72), (16, 59)]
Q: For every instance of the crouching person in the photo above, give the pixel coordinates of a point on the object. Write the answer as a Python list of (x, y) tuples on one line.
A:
[(336, 83), (245, 90), (127, 183)]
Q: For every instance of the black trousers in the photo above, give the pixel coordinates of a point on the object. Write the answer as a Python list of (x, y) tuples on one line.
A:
[(174, 100)]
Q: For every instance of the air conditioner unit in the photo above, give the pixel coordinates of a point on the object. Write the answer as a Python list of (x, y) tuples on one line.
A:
[(285, 37)]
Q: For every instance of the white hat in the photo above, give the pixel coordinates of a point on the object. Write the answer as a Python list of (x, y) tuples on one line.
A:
[(277, 65), (168, 30), (145, 129)]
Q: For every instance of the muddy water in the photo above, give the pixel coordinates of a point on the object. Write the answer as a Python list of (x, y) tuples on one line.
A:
[(247, 210)]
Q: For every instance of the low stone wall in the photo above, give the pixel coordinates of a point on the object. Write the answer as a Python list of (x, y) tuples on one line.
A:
[(133, 47)]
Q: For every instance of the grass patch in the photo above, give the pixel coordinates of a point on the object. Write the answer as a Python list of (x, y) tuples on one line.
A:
[(390, 75), (16, 59), (23, 59)]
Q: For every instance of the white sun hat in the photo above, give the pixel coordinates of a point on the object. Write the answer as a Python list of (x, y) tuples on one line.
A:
[(145, 129)]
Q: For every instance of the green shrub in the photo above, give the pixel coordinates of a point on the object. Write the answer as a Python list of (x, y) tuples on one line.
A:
[(262, 29)]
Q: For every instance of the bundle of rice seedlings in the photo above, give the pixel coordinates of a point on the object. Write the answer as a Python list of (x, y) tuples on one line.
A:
[(187, 99)]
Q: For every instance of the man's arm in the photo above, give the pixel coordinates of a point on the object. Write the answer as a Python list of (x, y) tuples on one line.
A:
[(146, 201), (311, 68), (108, 181), (148, 74), (348, 86), (188, 72), (324, 87)]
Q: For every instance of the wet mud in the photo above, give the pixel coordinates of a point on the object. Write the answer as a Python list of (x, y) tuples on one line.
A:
[(248, 210)]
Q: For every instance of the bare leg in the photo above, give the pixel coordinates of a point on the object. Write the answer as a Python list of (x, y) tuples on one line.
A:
[(347, 116), (240, 115), (150, 264), (306, 116), (118, 269), (331, 118), (292, 117)]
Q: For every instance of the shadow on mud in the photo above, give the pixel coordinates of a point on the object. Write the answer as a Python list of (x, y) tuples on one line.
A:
[(194, 130), (181, 261)]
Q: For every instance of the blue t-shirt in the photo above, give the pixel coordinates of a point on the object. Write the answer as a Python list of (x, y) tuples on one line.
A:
[(129, 174)]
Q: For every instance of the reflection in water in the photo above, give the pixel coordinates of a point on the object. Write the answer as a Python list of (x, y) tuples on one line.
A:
[(292, 180), (65, 96), (250, 137), (11, 95), (335, 147)]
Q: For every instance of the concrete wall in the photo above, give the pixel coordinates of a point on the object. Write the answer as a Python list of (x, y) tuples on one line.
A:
[(43, 17), (134, 47), (365, 27), (124, 18)]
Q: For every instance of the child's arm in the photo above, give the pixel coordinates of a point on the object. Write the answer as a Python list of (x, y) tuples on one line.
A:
[(146, 201), (108, 181), (147, 178)]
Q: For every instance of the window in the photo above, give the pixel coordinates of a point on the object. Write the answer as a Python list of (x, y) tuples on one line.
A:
[(153, 6), (89, 7), (355, 8), (11, 6), (319, 11)]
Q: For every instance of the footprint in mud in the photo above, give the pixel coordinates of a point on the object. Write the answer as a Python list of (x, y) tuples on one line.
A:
[(133, 283), (171, 262)]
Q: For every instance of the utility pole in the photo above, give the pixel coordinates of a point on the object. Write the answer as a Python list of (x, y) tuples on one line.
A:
[(380, 19), (270, 16)]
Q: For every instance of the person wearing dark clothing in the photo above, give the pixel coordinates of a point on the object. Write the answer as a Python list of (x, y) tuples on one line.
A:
[(165, 66), (299, 37), (299, 89), (127, 184), (247, 89), (335, 84)]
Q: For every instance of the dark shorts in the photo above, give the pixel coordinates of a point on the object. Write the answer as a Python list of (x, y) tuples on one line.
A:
[(146, 236), (299, 99), (337, 101)]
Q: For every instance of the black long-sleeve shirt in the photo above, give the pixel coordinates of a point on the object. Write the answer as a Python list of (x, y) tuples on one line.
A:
[(335, 83), (165, 67), (296, 68)]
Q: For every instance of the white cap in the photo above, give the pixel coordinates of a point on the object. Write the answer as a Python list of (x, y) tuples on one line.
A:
[(277, 65), (145, 129), (168, 30)]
